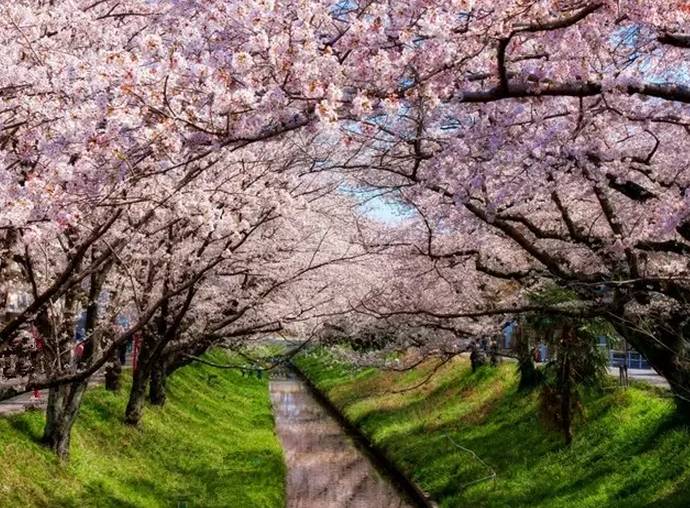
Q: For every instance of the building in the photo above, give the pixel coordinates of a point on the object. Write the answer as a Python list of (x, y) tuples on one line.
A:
[(620, 354)]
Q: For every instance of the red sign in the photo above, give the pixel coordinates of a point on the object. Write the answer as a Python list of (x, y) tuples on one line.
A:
[(136, 346)]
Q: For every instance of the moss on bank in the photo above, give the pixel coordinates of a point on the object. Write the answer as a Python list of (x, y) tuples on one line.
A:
[(212, 445), (629, 449)]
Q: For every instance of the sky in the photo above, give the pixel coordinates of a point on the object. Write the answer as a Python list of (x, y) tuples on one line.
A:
[(377, 207)]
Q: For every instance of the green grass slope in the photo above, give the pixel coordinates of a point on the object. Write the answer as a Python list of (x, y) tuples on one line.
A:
[(212, 445), (629, 450)]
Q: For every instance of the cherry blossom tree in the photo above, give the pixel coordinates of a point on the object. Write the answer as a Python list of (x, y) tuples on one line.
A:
[(547, 138), (157, 159)]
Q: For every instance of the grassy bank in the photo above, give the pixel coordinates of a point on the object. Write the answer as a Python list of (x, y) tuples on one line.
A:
[(212, 445), (629, 449)]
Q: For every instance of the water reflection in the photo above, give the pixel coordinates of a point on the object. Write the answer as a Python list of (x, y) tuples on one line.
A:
[(325, 469)]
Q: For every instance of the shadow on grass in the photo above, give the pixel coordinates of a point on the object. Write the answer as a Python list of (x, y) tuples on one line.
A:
[(454, 394), (629, 446), (29, 424), (96, 494), (177, 454)]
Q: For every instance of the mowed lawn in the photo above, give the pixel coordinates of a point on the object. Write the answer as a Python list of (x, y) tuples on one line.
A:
[(212, 445), (630, 450)]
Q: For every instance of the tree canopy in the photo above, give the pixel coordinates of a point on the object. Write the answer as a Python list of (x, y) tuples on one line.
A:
[(191, 172)]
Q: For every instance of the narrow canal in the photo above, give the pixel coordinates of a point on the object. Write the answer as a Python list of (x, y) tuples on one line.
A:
[(325, 466)]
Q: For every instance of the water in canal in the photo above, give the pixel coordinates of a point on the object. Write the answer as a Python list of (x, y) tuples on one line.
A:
[(325, 467)]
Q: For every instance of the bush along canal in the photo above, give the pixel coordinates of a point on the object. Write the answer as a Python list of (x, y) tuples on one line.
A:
[(329, 464)]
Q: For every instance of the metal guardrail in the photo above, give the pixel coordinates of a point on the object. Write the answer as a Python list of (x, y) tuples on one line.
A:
[(634, 360), (618, 358)]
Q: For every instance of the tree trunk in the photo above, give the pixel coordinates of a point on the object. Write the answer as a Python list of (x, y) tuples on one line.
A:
[(140, 380), (64, 401), (566, 402), (674, 367), (477, 358), (529, 375), (54, 411), (137, 396), (63, 405), (663, 344), (113, 372), (157, 388)]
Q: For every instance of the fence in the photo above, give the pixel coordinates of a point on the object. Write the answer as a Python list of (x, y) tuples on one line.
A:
[(635, 359)]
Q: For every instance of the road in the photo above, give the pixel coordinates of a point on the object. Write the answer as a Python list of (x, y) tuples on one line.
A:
[(26, 401), (647, 375)]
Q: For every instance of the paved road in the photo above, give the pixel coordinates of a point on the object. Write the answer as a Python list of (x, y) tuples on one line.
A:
[(647, 375), (26, 401), (23, 402)]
